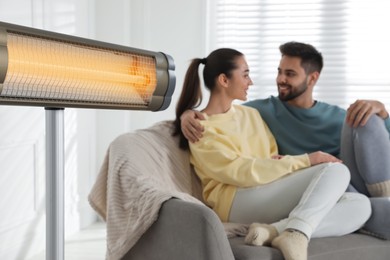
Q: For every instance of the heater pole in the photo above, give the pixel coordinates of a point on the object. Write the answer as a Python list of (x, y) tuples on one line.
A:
[(55, 184)]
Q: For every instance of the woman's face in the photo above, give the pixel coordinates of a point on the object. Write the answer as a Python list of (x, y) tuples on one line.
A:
[(239, 82)]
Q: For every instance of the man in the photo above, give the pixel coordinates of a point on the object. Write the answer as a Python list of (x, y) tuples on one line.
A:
[(300, 124)]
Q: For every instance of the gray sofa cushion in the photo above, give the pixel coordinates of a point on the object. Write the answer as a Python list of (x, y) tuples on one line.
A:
[(183, 231), (242, 251), (354, 247)]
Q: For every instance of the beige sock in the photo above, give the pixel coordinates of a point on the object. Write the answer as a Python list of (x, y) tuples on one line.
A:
[(380, 189), (293, 245), (260, 234)]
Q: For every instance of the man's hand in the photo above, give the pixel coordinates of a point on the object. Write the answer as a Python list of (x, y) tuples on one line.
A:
[(321, 157), (359, 112), (277, 157), (190, 126)]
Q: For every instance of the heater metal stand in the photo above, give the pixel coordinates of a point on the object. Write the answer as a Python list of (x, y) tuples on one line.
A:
[(55, 184)]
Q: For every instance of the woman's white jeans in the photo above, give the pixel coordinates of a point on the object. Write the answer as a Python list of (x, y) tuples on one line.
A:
[(312, 200)]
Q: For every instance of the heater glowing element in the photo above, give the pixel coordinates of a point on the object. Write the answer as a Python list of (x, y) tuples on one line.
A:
[(51, 69), (44, 69)]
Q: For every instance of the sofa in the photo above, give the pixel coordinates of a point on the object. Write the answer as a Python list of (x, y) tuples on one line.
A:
[(180, 226), (188, 231)]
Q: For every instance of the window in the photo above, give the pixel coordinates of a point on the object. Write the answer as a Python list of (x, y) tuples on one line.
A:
[(351, 34)]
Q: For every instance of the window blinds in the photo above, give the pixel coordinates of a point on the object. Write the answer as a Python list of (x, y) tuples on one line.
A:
[(351, 34)]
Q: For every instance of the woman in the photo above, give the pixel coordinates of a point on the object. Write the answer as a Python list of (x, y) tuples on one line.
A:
[(245, 180)]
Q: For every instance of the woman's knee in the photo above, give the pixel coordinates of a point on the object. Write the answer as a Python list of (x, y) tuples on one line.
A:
[(339, 172), (361, 203)]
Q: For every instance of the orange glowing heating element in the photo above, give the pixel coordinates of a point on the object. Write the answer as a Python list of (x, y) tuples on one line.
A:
[(50, 69)]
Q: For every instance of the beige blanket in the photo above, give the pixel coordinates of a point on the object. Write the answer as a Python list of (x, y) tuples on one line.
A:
[(141, 170)]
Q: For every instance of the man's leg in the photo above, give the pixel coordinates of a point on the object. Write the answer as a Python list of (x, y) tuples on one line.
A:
[(366, 152), (378, 224)]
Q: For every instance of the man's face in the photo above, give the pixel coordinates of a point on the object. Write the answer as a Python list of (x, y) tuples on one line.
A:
[(291, 79)]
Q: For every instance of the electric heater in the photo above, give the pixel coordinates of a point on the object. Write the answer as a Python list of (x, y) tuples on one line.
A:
[(55, 71), (42, 68)]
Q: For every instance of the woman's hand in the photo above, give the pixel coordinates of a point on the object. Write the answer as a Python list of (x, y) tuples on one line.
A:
[(321, 157), (190, 126)]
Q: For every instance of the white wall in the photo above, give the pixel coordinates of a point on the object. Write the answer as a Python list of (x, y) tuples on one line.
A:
[(22, 142), (175, 27)]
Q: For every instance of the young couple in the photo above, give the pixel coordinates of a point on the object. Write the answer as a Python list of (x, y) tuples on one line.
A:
[(288, 194)]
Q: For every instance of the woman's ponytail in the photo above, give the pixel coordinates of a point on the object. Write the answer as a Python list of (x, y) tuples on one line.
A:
[(190, 97)]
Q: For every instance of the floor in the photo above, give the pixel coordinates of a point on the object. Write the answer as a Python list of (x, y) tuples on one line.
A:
[(88, 244)]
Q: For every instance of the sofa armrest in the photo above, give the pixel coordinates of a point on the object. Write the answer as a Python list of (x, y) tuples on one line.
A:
[(183, 230)]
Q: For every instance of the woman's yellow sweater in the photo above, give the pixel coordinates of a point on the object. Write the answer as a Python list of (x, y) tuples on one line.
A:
[(235, 151)]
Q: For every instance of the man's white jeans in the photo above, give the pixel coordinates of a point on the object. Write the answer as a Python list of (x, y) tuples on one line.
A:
[(312, 200)]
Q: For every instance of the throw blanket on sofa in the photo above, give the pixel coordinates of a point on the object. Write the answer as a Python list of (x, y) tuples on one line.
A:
[(140, 171)]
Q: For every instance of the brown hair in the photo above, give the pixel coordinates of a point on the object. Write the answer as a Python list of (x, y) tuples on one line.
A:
[(311, 59), (220, 61)]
